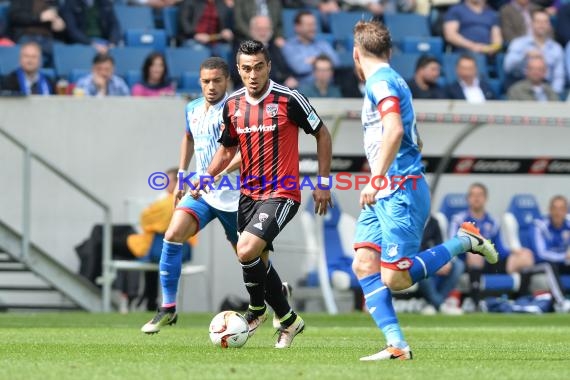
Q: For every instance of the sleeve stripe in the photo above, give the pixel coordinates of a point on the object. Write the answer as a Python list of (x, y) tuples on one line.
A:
[(306, 106)]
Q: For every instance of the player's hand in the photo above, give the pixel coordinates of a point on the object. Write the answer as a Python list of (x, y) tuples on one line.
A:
[(368, 195), (178, 196), (322, 200), (200, 186)]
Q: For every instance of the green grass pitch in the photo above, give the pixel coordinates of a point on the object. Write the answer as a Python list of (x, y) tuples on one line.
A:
[(98, 346)]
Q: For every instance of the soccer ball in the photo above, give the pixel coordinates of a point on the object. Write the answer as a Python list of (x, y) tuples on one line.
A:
[(229, 329)]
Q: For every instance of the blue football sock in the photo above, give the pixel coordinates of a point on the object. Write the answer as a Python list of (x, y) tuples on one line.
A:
[(170, 268), (379, 302), (428, 262)]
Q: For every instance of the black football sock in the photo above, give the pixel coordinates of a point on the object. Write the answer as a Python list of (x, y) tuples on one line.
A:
[(254, 278), (274, 293)]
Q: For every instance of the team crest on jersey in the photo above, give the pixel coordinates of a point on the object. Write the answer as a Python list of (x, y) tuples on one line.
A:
[(392, 250), (271, 109)]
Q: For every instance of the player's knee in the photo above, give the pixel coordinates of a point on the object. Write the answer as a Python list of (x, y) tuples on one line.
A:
[(246, 251), (175, 235), (363, 265)]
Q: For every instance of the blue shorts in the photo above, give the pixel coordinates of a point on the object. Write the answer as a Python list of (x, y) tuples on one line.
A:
[(204, 214), (394, 226)]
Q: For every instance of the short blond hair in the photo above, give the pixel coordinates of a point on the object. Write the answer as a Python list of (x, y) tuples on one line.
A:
[(373, 38)]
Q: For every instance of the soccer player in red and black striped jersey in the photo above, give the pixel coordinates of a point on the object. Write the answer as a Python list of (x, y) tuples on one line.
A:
[(262, 120)]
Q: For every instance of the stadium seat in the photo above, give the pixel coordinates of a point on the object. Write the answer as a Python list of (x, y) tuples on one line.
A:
[(75, 74), (180, 60), (69, 57), (329, 244), (9, 59), (288, 21), (450, 61), (518, 221), (170, 18), (423, 45), (3, 18), (190, 83), (129, 59), (405, 64), (451, 204), (342, 24), (403, 25), (151, 38), (131, 17)]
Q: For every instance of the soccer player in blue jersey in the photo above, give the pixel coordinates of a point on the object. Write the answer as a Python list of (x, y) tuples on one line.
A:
[(203, 130), (396, 202)]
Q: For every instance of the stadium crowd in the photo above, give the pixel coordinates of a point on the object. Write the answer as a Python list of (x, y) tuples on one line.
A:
[(473, 50)]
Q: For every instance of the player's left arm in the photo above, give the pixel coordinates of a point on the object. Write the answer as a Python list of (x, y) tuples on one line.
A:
[(304, 115), (392, 135)]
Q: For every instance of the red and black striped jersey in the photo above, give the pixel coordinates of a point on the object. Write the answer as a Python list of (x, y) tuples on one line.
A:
[(267, 132)]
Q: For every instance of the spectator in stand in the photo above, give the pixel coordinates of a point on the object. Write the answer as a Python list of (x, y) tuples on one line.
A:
[(92, 22), (551, 245), (245, 10), (156, 4), (261, 29), (205, 23), (27, 79), (474, 27), (322, 87), (301, 50), (424, 83), (538, 44), (379, 8), (516, 19), (102, 81), (155, 78), (36, 20), (509, 262), (563, 25), (534, 86), (469, 85)]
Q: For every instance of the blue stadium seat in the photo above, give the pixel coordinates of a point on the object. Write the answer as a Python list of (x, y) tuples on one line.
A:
[(129, 58), (288, 21), (48, 72), (423, 45), (133, 77), (342, 24), (338, 230), (403, 25), (170, 18), (180, 60), (450, 60), (75, 74), (405, 64), (518, 221), (3, 18), (9, 59), (133, 17), (150, 38), (69, 57), (190, 83)]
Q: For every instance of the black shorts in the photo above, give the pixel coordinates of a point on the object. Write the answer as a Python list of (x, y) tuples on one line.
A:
[(265, 218)]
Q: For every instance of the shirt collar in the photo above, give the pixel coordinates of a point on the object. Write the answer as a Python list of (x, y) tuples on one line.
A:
[(254, 102)]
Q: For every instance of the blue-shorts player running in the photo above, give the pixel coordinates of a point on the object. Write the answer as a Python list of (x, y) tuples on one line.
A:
[(203, 129), (395, 209)]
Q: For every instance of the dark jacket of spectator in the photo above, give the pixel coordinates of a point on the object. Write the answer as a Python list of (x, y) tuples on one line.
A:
[(563, 25), (24, 18), (75, 14), (455, 91), (192, 10), (244, 10), (15, 83)]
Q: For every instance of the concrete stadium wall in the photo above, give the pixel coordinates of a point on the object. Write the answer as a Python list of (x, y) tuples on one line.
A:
[(112, 145)]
